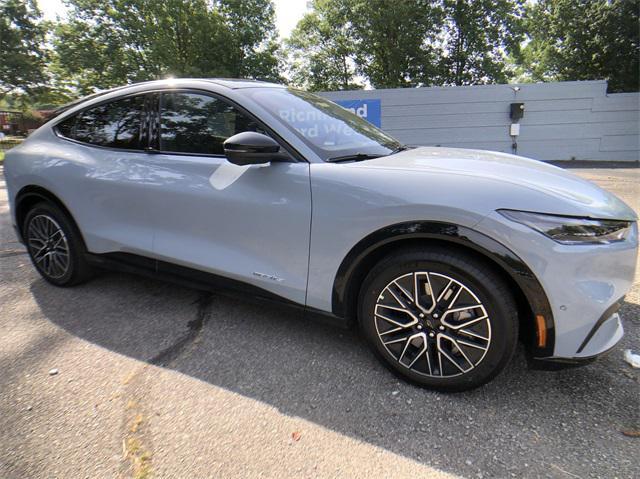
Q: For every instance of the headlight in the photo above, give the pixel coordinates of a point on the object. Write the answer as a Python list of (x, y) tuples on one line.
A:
[(571, 230)]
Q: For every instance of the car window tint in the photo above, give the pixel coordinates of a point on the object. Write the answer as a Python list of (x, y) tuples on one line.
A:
[(195, 123), (67, 127), (117, 124)]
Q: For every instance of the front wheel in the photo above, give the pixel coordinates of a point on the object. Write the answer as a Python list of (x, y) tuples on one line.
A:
[(443, 320)]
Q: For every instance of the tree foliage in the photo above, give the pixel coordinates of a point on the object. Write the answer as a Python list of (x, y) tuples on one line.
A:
[(388, 43), (322, 49), (111, 42), (584, 40), (338, 44), (395, 43), (254, 39), (22, 52), (476, 38)]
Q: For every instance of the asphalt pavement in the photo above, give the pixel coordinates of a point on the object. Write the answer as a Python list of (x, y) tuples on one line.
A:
[(129, 377)]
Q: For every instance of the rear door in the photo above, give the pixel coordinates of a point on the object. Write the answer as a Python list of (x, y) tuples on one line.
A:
[(106, 175), (248, 223)]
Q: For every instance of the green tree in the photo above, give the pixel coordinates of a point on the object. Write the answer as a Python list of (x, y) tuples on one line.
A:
[(22, 53), (111, 42), (255, 44), (391, 43), (584, 40), (476, 37), (322, 48), (395, 41)]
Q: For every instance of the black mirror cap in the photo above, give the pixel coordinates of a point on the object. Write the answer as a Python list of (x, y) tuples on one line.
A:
[(253, 148)]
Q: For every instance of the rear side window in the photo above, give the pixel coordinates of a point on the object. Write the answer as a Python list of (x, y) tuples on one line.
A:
[(67, 127), (115, 125), (195, 123)]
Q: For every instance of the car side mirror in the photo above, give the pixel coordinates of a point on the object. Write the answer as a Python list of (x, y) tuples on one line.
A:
[(252, 148)]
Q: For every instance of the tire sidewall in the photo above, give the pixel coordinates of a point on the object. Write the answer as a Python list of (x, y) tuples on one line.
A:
[(502, 318)]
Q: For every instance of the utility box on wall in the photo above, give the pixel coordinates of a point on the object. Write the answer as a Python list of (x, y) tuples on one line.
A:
[(517, 111)]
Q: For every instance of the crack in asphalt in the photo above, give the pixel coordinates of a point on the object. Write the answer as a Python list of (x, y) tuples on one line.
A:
[(7, 254), (137, 444), (172, 352)]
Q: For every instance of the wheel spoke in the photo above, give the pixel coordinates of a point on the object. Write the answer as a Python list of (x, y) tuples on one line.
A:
[(397, 340), (475, 335), (407, 294), (59, 240), (427, 355), (455, 343), (465, 324), (427, 289), (37, 229), (406, 346), (391, 331), (54, 264), (455, 298), (451, 360), (397, 298), (472, 345), (444, 291), (33, 240), (440, 362), (414, 319), (472, 342), (50, 227), (409, 342), (47, 263), (39, 251), (57, 261), (391, 321), (40, 257)]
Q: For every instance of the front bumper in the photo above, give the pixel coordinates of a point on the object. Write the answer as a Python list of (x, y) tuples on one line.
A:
[(602, 338), (583, 283)]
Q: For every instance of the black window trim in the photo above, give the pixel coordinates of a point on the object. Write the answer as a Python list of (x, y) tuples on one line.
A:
[(154, 116), (76, 114)]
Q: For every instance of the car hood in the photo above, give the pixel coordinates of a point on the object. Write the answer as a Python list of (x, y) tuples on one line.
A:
[(513, 173)]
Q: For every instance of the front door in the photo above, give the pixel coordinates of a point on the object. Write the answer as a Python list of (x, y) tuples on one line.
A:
[(248, 223)]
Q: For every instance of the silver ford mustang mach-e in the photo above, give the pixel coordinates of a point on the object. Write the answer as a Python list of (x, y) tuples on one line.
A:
[(445, 257)]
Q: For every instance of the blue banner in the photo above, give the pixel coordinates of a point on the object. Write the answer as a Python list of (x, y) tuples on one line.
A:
[(370, 110)]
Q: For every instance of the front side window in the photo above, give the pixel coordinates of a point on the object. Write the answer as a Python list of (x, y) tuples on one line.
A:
[(197, 123), (117, 124)]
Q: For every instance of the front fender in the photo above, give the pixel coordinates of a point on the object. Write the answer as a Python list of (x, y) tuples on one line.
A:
[(358, 261)]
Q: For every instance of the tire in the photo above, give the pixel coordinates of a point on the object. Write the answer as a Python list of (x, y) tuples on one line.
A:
[(55, 246), (447, 348)]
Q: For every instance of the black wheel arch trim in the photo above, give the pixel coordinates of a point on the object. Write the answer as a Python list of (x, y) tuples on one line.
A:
[(499, 254), (40, 193)]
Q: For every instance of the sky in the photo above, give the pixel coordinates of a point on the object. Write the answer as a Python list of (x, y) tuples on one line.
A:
[(288, 12)]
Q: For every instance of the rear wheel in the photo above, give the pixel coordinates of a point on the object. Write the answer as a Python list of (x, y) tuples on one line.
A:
[(440, 319), (55, 246)]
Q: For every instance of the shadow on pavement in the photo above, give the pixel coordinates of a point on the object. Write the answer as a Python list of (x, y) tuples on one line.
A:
[(327, 375)]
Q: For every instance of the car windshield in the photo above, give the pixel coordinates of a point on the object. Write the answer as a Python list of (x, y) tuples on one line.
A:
[(333, 132)]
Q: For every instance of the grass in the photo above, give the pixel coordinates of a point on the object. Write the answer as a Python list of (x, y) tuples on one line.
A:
[(8, 142), (139, 458)]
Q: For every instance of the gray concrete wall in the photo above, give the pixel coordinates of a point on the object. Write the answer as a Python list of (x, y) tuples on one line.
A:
[(562, 121)]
